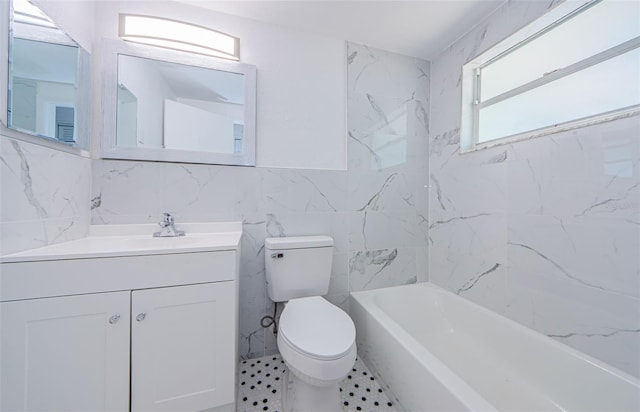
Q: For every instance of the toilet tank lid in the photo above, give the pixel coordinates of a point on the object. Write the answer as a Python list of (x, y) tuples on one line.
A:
[(297, 242)]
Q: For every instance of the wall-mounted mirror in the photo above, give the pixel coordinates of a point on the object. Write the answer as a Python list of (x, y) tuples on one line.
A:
[(49, 85), (164, 105)]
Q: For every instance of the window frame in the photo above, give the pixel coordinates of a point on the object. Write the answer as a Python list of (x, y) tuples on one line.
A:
[(471, 80)]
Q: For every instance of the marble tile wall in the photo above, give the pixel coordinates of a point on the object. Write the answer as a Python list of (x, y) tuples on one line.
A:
[(44, 198), (388, 128), (544, 231), (375, 211)]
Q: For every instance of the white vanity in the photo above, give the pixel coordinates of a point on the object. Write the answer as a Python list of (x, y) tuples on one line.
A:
[(122, 321)]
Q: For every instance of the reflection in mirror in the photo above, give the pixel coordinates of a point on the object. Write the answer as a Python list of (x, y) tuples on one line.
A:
[(388, 137), (127, 118), (48, 79), (176, 106), (172, 106)]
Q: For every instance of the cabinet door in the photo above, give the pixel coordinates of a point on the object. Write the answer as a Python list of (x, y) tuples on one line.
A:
[(65, 354), (183, 354)]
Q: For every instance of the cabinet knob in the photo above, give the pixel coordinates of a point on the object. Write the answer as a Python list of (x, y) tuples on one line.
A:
[(114, 319), (141, 316)]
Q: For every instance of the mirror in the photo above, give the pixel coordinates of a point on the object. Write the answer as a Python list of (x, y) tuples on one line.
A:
[(49, 79), (173, 106), (179, 107)]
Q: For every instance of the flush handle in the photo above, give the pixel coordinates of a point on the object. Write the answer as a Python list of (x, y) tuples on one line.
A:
[(277, 255), (114, 319), (141, 316)]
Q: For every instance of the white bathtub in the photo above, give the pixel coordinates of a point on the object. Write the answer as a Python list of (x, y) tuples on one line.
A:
[(439, 352)]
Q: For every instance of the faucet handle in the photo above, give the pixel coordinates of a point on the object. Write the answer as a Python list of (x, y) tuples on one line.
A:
[(168, 230), (167, 221)]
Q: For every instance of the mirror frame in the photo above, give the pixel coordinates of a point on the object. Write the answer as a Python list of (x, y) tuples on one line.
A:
[(109, 150), (83, 123)]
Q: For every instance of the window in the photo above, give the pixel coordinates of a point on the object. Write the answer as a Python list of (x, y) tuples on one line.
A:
[(580, 66)]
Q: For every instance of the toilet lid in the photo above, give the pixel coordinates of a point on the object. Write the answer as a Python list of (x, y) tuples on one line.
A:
[(317, 328)]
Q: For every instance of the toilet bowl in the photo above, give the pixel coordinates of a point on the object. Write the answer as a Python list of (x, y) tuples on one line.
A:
[(317, 342)]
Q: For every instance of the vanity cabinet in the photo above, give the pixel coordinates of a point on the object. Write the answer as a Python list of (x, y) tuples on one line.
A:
[(127, 330), (182, 347), (73, 353), (66, 353)]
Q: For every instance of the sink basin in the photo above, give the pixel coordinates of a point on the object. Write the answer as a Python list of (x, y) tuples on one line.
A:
[(135, 240)]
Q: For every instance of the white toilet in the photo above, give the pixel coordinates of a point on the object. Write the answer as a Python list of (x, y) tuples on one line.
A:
[(316, 338)]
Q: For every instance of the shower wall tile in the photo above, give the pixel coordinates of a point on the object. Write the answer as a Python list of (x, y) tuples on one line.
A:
[(597, 252), (45, 196), (388, 191), (422, 264), (382, 73), (378, 230), (388, 129), (373, 269), (545, 231), (600, 323)]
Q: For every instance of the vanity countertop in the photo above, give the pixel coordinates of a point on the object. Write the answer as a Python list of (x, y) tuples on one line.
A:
[(136, 240)]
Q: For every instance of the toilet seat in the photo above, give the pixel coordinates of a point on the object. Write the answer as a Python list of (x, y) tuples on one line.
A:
[(317, 328)]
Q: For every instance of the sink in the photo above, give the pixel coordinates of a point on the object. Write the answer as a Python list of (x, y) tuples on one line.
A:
[(136, 240)]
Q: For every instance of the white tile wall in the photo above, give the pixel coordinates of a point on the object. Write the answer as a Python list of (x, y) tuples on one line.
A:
[(45, 196), (544, 231), (388, 129)]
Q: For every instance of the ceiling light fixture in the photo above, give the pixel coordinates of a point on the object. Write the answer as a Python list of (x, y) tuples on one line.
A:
[(177, 35)]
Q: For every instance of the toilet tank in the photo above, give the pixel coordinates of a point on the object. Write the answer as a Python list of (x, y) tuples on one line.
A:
[(298, 267)]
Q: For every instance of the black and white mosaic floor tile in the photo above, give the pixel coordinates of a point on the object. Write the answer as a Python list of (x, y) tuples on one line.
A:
[(360, 391), (260, 380), (259, 383)]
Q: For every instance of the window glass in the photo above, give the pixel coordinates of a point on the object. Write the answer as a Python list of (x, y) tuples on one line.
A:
[(596, 29), (608, 86)]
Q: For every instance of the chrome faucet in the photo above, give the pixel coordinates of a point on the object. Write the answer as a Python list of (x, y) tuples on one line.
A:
[(168, 228)]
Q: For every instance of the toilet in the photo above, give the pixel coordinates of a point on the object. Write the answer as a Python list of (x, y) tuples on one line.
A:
[(316, 339)]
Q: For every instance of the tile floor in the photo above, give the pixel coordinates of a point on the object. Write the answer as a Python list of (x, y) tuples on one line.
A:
[(260, 380)]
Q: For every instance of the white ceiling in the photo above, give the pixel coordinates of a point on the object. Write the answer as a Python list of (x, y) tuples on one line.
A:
[(417, 28)]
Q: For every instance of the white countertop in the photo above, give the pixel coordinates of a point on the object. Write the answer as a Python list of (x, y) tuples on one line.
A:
[(136, 240)]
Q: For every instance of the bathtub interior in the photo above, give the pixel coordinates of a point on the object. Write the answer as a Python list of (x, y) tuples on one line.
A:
[(511, 366)]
